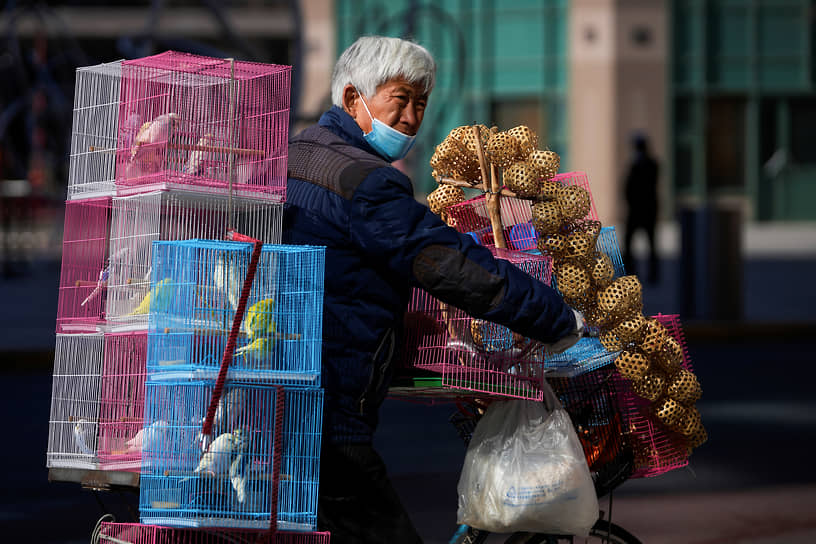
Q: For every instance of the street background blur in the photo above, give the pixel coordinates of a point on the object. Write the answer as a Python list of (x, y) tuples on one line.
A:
[(722, 89)]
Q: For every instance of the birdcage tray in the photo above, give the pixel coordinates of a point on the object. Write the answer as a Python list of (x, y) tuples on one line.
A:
[(94, 479), (290, 378)]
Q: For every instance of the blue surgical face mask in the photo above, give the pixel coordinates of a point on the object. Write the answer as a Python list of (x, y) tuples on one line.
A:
[(388, 141)]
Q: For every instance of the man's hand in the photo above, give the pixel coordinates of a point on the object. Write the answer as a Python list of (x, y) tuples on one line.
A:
[(569, 340)]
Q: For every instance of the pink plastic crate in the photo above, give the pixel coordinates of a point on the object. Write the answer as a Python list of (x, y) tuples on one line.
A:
[(190, 119), (472, 217), (666, 450), (83, 278), (137, 533), (122, 392), (441, 338)]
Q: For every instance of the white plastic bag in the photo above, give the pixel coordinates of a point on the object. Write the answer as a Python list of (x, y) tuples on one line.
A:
[(525, 470)]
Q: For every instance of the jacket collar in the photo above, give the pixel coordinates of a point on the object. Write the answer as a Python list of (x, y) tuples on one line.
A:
[(343, 125)]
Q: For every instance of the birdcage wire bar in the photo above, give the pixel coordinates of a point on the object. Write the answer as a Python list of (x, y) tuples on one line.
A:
[(195, 287), (138, 220), (121, 415), (84, 269), (94, 130), (73, 423), (234, 482), (204, 122), (657, 448), (137, 533)]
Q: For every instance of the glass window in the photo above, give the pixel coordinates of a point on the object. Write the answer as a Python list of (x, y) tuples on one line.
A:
[(725, 142), (803, 119)]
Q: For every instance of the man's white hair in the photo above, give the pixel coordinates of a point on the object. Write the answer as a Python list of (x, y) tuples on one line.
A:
[(373, 60)]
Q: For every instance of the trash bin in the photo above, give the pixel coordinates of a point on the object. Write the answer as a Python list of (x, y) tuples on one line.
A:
[(711, 267)]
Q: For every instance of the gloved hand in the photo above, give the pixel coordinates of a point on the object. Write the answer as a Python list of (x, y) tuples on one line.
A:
[(569, 340)]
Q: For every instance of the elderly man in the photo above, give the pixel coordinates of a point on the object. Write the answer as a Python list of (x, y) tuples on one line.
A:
[(344, 194)]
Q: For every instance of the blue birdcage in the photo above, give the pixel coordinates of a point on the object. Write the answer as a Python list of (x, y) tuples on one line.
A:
[(608, 243), (300, 458), (195, 291), (239, 477)]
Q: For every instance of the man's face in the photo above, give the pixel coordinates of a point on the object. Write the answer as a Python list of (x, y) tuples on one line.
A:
[(396, 103)]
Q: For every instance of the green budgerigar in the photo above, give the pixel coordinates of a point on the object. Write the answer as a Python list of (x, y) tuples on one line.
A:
[(258, 322)]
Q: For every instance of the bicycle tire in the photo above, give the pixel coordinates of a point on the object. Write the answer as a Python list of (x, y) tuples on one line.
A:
[(602, 532)]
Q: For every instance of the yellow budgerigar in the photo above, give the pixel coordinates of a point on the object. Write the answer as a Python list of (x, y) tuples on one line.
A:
[(158, 297), (257, 349), (258, 322)]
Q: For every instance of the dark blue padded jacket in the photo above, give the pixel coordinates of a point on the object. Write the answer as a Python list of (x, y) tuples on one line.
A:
[(380, 243)]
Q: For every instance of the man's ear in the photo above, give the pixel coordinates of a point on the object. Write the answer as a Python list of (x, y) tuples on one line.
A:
[(351, 100)]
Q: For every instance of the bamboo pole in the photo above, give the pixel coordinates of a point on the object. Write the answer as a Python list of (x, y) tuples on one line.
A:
[(493, 201)]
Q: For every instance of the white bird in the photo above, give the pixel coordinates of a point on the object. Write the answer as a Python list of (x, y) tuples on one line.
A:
[(152, 132), (227, 279), (148, 438), (219, 456), (196, 161), (230, 410), (238, 475), (82, 435)]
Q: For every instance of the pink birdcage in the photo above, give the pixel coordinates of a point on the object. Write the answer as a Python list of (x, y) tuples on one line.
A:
[(75, 399), (173, 214), (473, 354), (84, 274), (203, 121), (137, 533), (472, 217), (122, 395), (657, 449)]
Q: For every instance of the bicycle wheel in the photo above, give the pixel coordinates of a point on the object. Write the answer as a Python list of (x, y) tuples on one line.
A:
[(603, 532)]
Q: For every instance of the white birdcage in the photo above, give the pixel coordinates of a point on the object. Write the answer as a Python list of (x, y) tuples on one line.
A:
[(138, 220), (75, 398), (92, 165)]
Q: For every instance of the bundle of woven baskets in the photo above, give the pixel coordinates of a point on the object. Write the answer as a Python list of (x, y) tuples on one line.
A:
[(649, 355)]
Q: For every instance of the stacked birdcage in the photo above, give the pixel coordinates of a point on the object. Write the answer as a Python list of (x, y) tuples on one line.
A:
[(94, 130), (205, 122), (179, 147), (138, 220), (137, 533), (268, 421)]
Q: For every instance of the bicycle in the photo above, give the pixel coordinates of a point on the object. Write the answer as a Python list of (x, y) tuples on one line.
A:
[(590, 399)]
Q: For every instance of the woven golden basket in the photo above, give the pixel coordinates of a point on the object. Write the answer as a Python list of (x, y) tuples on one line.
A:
[(503, 150), (546, 217), (477, 332), (692, 423), (670, 355), (670, 412), (610, 341), (573, 279), (684, 387), (547, 162), (467, 137), (631, 329), (522, 179), (526, 138), (443, 197), (631, 364), (549, 190), (654, 336), (622, 297), (595, 317), (651, 386), (603, 271), (552, 244), (574, 202), (698, 437)]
